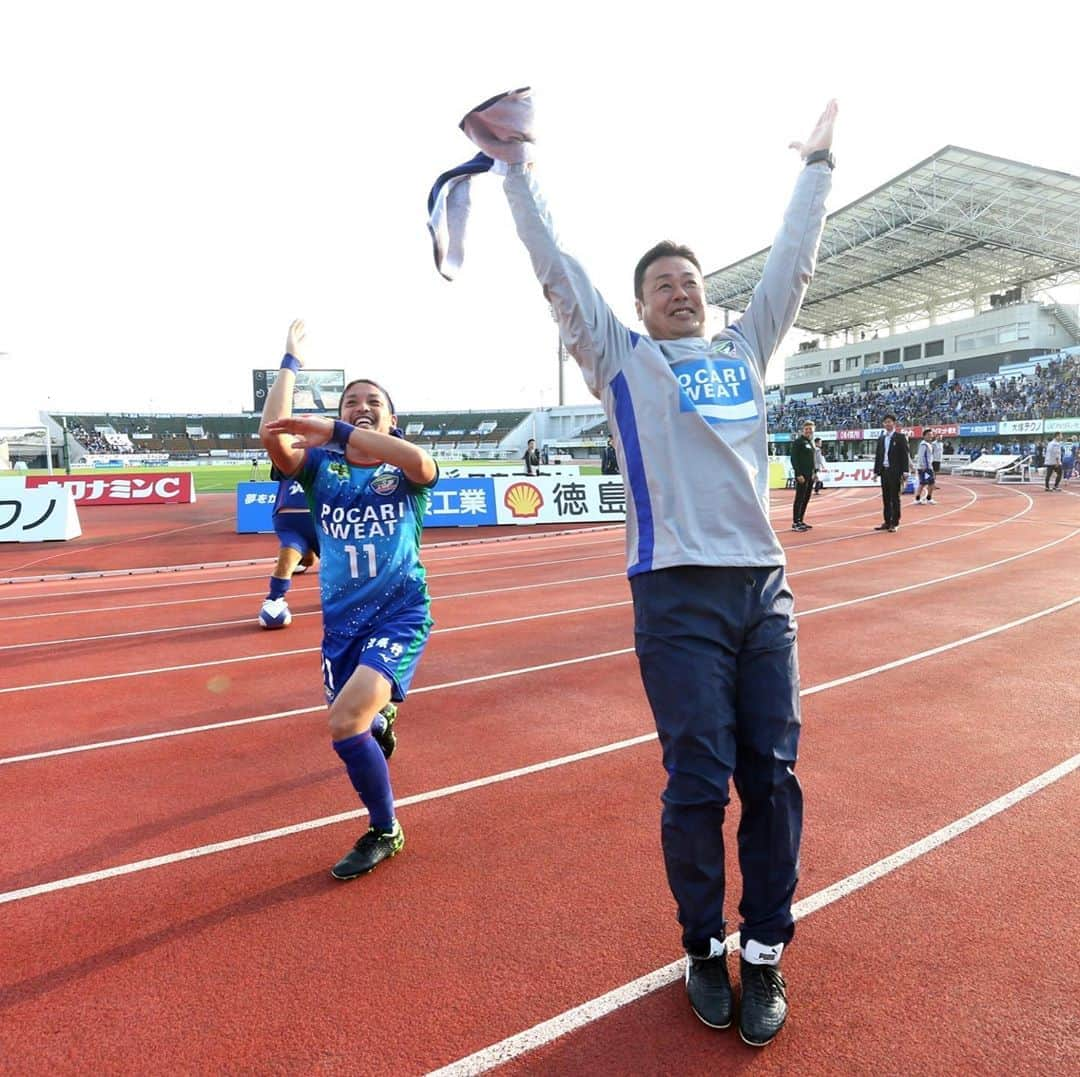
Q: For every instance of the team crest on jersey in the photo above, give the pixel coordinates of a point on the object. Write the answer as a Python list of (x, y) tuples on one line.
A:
[(339, 468), (719, 390), (385, 482)]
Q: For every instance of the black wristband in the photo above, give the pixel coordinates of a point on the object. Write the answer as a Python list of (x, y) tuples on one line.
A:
[(822, 156)]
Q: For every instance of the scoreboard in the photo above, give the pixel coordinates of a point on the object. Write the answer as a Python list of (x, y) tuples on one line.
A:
[(316, 390)]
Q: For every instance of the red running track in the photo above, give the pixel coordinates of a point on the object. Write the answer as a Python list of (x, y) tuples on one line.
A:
[(518, 900)]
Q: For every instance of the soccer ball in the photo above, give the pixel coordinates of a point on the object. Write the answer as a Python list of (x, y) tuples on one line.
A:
[(275, 613)]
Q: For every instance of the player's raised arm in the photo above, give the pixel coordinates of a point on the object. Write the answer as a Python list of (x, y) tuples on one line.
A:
[(278, 444), (776, 300), (502, 128)]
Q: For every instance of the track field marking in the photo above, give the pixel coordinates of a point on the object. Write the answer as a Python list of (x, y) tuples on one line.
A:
[(306, 650), (471, 594), (811, 904), (121, 542), (431, 556), (921, 546), (940, 579), (306, 613), (571, 1020), (255, 594), (928, 519), (837, 683), (500, 590)]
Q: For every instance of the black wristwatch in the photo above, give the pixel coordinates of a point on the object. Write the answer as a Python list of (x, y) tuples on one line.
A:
[(822, 155)]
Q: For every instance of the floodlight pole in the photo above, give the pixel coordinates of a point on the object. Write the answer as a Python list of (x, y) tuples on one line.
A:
[(560, 356), (66, 450)]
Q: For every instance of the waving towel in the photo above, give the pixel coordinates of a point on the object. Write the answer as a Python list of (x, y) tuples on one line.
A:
[(502, 128)]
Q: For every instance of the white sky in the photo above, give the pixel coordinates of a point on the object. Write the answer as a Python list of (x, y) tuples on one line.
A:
[(180, 180)]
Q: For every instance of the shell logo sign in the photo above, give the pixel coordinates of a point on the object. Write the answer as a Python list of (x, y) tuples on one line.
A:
[(523, 500)]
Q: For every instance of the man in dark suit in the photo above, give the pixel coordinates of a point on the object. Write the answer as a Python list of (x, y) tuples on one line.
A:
[(609, 462), (892, 464)]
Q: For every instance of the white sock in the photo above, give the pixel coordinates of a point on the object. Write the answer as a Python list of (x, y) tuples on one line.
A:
[(757, 953)]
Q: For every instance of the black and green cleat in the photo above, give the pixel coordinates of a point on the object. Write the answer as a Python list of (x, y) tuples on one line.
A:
[(385, 737)]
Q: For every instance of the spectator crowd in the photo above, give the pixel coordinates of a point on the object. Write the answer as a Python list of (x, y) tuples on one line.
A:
[(1052, 391)]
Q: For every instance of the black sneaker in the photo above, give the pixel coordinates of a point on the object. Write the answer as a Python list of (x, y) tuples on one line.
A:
[(371, 850), (764, 1003), (386, 739), (709, 989)]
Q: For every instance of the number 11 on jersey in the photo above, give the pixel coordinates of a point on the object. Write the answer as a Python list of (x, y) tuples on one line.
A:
[(354, 560)]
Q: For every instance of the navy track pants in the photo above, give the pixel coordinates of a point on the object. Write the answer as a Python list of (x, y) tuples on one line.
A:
[(718, 659)]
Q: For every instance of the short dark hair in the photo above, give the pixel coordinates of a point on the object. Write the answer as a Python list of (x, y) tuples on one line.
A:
[(667, 248), (365, 381), (888, 415)]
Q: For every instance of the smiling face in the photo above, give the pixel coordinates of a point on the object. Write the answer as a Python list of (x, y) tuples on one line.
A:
[(672, 301), (365, 405)]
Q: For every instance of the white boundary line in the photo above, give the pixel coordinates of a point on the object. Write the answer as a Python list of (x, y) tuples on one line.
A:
[(60, 577), (837, 683), (571, 1020), (307, 613), (483, 570), (584, 579)]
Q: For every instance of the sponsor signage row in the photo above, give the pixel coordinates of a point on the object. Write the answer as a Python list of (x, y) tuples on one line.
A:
[(46, 513), (162, 488), (1021, 426), (1058, 426), (478, 502)]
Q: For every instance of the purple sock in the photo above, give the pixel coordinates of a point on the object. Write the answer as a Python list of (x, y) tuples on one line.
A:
[(278, 587), (370, 776)]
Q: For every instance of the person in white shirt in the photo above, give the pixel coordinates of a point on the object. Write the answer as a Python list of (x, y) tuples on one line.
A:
[(924, 467), (1053, 463)]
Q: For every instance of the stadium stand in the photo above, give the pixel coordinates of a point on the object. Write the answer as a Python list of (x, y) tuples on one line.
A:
[(1052, 391)]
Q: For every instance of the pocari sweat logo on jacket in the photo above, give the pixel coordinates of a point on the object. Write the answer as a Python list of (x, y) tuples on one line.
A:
[(719, 389)]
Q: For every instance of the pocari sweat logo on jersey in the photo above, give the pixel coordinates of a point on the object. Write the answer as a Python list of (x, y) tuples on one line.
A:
[(719, 390)]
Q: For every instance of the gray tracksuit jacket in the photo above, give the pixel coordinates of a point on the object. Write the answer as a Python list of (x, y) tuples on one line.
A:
[(688, 416)]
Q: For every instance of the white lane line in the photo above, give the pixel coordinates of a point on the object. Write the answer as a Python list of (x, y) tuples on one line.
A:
[(471, 594), (501, 590), (296, 616), (921, 546), (302, 650), (837, 683), (933, 518), (939, 579), (258, 594), (121, 542), (307, 710), (429, 549), (314, 824), (571, 1020)]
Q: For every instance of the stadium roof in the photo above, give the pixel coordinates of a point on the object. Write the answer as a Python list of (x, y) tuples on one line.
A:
[(959, 224)]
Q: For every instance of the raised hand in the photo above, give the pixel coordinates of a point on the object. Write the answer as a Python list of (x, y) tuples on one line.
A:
[(294, 344), (311, 430), (821, 136)]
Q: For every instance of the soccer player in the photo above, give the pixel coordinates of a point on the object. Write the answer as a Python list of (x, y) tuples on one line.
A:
[(713, 615), (299, 548), (924, 468), (367, 489)]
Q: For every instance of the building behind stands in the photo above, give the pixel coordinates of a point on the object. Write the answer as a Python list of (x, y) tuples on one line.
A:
[(942, 276)]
